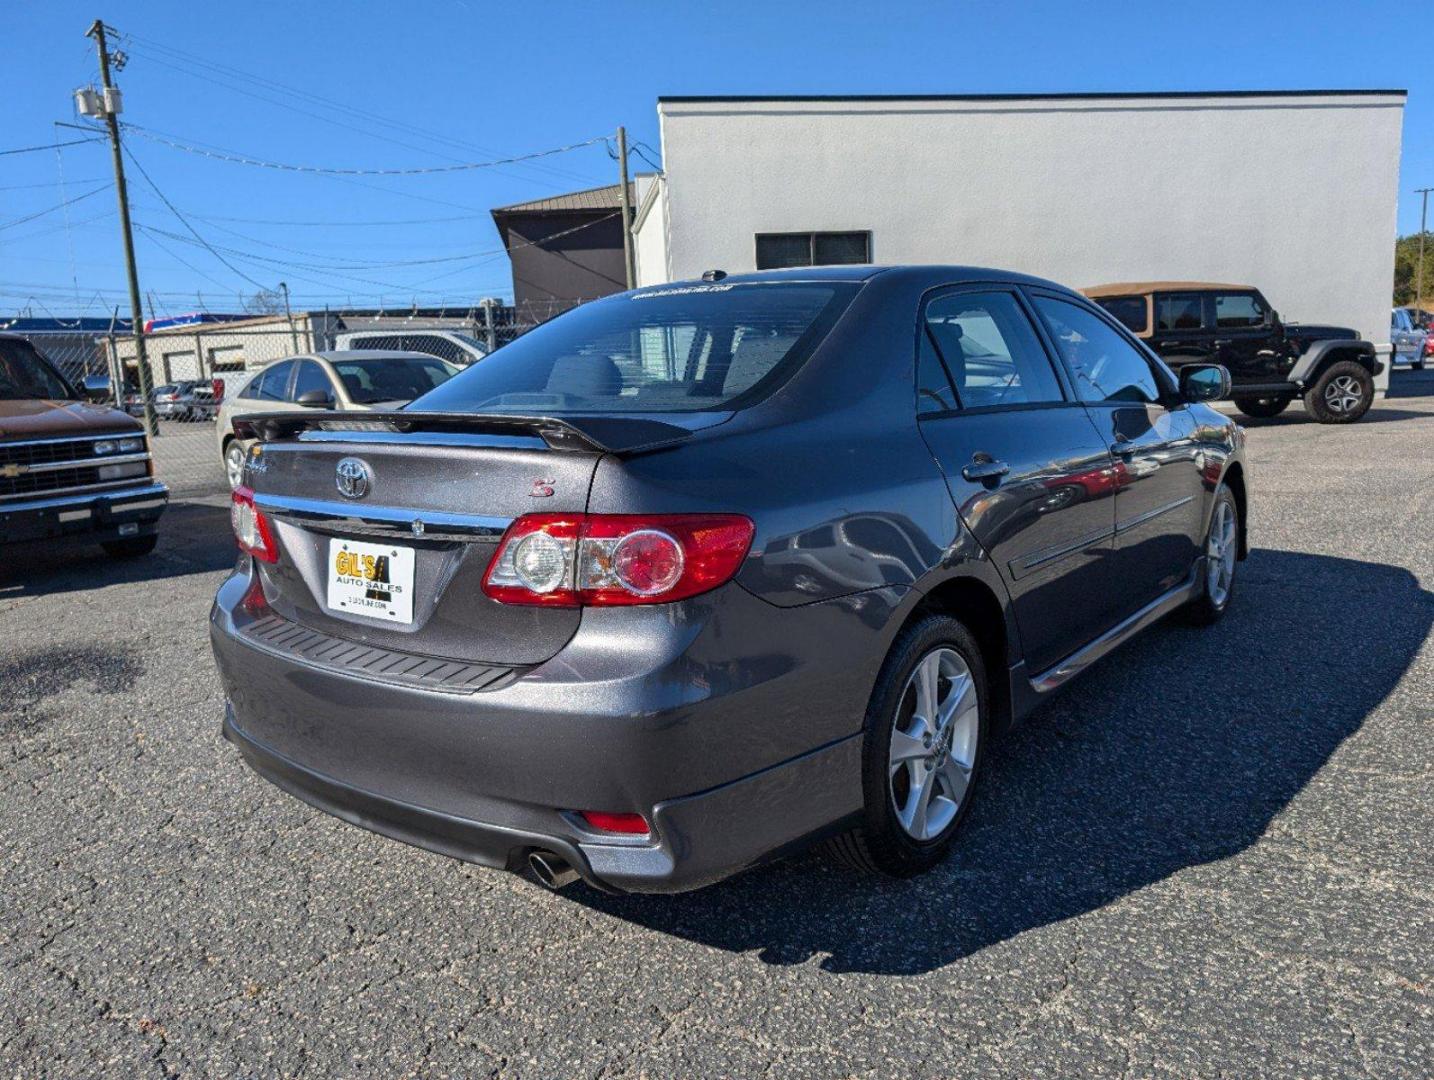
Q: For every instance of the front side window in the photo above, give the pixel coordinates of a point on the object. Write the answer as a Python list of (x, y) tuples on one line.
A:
[(664, 349), (1236, 310), (24, 375), (1130, 311), (1179, 311), (989, 350), (1104, 365), (311, 377), (778, 250)]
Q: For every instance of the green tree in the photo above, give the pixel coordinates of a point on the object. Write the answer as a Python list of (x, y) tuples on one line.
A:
[(1406, 270)]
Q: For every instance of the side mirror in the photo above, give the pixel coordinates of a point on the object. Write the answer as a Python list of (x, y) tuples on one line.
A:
[(1204, 382), (315, 399), (96, 389)]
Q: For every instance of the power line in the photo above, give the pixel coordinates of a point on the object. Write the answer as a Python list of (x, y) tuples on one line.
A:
[(214, 68), (224, 82), (47, 146), (242, 159), (185, 221), (637, 149), (58, 206), (50, 183)]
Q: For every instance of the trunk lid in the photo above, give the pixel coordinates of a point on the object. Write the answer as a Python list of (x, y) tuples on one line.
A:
[(436, 495)]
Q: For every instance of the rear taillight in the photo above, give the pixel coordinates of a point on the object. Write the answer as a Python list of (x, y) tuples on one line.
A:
[(1429, 344), (568, 560), (251, 527)]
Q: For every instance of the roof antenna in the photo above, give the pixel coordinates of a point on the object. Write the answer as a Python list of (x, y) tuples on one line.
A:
[(713, 275)]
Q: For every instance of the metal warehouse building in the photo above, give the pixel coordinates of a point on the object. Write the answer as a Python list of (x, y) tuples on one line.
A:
[(1293, 192)]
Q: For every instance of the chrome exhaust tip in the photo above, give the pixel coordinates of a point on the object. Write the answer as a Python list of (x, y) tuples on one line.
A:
[(551, 871)]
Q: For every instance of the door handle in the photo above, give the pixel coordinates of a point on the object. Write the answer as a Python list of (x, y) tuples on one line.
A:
[(1222, 341), (985, 470), (1122, 447)]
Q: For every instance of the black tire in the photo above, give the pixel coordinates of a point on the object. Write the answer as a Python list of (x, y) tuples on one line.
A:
[(1416, 365), (130, 547), (880, 845), (1205, 609), (1342, 394), (1262, 408)]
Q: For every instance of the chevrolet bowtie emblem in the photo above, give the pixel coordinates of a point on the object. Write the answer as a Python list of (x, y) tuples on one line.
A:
[(9, 472)]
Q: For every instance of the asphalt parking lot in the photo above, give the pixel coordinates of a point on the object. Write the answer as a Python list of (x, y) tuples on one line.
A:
[(1210, 857)]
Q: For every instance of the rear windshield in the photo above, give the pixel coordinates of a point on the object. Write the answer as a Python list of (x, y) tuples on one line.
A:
[(392, 378), (686, 348), (24, 376)]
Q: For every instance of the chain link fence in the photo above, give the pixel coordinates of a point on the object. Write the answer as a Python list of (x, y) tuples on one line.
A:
[(195, 366)]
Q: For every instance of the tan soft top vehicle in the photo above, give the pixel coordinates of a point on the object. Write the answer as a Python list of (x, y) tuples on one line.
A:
[(1270, 362), (70, 468)]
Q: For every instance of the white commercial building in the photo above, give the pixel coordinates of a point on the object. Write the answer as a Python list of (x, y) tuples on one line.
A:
[(1293, 192)]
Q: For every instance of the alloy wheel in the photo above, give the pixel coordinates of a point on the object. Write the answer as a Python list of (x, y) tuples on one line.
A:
[(1220, 553), (234, 464), (1343, 394), (933, 744)]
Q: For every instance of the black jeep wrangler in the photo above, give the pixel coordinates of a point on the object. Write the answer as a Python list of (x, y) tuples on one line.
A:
[(1270, 362)]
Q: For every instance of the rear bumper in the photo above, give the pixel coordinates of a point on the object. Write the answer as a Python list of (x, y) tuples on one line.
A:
[(733, 738), (95, 515), (695, 840)]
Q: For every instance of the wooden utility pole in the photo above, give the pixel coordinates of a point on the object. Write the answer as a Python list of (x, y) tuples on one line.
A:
[(111, 110), (629, 265), (1419, 270)]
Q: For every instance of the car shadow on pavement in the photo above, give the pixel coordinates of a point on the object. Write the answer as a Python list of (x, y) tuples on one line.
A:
[(194, 538), (1176, 751)]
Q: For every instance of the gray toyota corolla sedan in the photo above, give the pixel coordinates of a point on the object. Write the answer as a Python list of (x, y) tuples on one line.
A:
[(696, 574)]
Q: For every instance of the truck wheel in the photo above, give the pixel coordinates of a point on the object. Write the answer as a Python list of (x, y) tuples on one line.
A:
[(1342, 394), (1262, 408), (923, 746), (131, 547)]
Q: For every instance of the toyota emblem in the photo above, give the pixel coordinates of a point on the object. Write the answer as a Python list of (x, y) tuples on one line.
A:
[(353, 478)]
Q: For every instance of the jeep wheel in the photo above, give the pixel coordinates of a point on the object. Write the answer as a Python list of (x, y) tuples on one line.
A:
[(924, 742), (1262, 408), (1342, 394)]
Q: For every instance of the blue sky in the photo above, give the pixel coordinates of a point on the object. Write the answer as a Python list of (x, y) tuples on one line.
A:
[(375, 85)]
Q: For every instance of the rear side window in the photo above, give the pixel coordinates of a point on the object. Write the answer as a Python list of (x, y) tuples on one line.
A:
[(1130, 311), (1106, 367), (1179, 311), (272, 383), (1234, 310), (989, 350), (684, 348)]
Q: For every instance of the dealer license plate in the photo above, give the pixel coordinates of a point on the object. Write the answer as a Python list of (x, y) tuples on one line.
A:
[(371, 579)]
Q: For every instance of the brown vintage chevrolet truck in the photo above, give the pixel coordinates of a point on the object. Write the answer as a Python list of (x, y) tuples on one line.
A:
[(71, 468)]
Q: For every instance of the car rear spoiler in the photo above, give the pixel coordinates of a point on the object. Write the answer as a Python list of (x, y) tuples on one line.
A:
[(603, 434)]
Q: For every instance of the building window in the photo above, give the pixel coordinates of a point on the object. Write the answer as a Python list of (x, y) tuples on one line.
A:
[(776, 250)]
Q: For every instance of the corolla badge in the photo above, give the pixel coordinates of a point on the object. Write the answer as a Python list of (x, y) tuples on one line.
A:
[(353, 478)]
